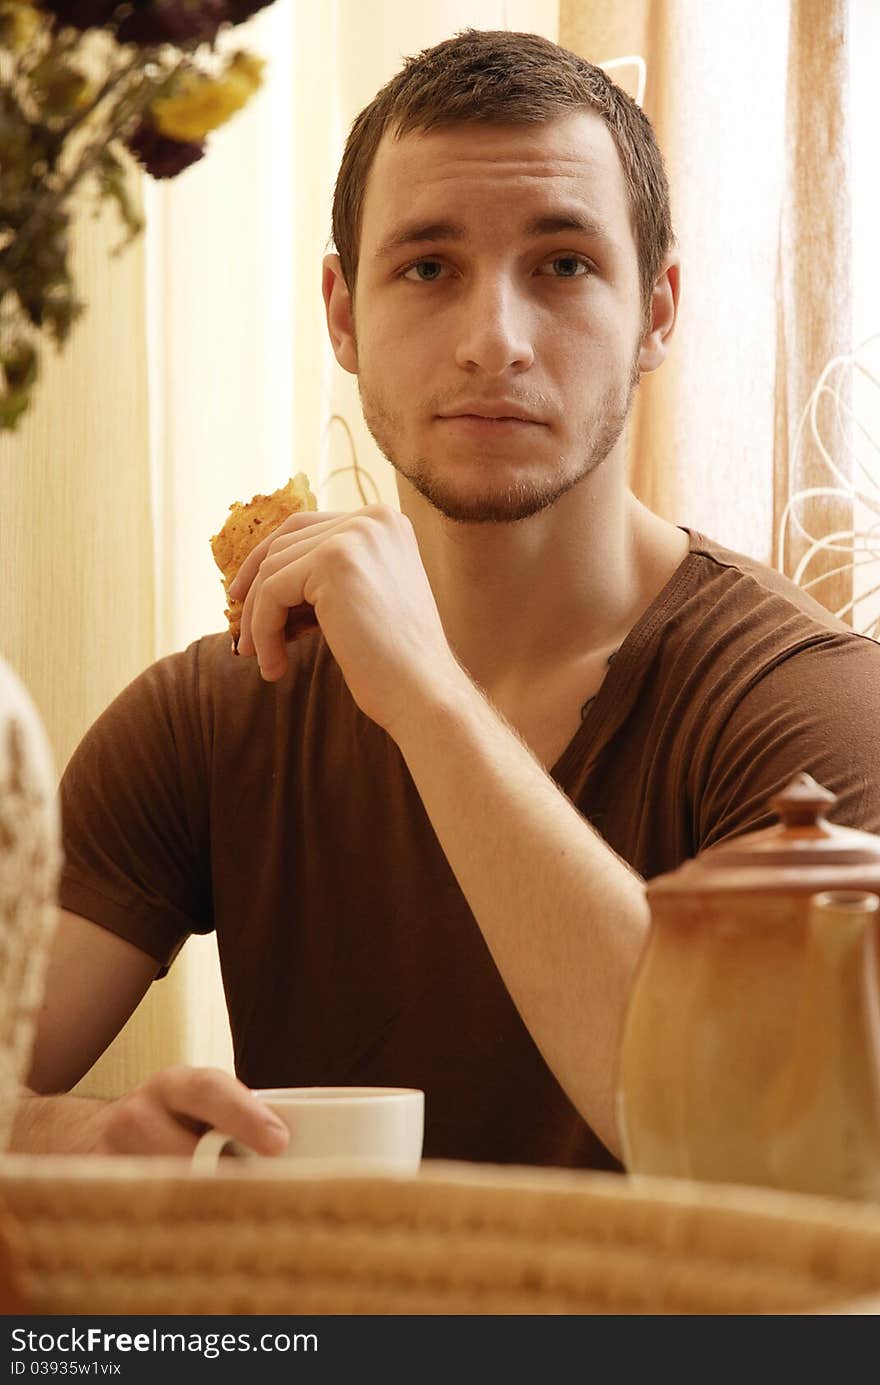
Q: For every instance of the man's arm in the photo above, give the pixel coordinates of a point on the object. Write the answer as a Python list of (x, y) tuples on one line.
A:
[(94, 982), (564, 917)]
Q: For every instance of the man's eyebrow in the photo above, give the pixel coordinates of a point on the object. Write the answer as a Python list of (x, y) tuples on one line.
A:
[(582, 223), (420, 232), (417, 233)]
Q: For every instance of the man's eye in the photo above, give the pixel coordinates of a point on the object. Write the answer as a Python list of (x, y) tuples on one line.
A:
[(573, 266), (420, 278)]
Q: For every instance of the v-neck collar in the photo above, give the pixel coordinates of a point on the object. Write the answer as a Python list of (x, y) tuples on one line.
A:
[(619, 686)]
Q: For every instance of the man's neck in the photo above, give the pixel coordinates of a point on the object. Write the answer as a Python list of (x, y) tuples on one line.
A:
[(563, 585)]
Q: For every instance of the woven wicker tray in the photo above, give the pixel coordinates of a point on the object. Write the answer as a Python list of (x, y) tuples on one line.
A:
[(102, 1236)]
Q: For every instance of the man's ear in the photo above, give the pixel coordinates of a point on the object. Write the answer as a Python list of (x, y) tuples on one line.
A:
[(340, 314), (664, 310)]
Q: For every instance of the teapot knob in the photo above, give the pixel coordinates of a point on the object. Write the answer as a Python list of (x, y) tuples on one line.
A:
[(803, 803)]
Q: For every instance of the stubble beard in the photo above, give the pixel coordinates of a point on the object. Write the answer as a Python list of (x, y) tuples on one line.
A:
[(520, 499)]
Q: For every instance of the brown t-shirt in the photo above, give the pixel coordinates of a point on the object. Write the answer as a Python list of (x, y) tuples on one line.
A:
[(283, 818)]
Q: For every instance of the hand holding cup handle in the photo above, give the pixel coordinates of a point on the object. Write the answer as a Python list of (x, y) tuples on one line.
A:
[(352, 1130)]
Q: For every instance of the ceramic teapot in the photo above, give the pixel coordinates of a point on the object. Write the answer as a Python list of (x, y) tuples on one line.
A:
[(751, 1044)]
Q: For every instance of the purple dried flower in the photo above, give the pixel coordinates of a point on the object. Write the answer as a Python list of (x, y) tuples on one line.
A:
[(145, 21), (238, 11), (80, 14), (172, 21), (160, 156), (154, 21)]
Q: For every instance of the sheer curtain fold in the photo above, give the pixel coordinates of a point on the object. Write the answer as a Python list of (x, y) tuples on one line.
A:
[(750, 108), (76, 549), (814, 288)]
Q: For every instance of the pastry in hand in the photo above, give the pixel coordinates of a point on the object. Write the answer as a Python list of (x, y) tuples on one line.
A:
[(247, 525)]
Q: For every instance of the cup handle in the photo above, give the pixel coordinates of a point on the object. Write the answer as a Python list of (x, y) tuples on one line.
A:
[(206, 1155)]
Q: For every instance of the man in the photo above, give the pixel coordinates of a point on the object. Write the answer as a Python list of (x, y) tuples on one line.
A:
[(422, 834)]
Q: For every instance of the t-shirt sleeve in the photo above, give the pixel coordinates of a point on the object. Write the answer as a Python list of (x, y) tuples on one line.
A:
[(134, 814), (816, 710)]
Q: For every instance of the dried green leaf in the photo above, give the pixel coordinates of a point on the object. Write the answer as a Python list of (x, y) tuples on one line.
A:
[(112, 176), (13, 403), (21, 370), (60, 88), (35, 264), (20, 364), (18, 153), (59, 310)]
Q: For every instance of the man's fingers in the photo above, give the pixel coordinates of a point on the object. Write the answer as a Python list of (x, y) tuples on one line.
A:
[(264, 621), (206, 1097), (284, 560), (304, 519), (169, 1113)]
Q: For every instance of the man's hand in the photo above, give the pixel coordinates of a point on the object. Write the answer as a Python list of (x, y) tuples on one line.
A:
[(363, 574), (165, 1115), (168, 1113)]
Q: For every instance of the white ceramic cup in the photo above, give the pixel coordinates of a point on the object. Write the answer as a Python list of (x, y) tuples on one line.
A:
[(347, 1130)]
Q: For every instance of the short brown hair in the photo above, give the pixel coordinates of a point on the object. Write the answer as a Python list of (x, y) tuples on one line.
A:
[(496, 77)]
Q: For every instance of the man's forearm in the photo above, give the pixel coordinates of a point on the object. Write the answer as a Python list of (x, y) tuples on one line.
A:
[(563, 916), (56, 1124)]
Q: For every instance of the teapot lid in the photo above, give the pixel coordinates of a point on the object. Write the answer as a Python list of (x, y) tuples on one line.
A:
[(802, 842)]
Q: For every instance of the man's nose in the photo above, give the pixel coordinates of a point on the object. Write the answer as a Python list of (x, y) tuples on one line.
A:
[(495, 333)]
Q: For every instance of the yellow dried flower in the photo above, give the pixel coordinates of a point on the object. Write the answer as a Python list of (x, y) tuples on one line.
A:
[(19, 22), (203, 103)]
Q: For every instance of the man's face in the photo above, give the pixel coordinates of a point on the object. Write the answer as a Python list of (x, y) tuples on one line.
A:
[(498, 275)]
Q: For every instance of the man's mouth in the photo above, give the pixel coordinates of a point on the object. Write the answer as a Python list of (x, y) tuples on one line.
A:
[(497, 410), (481, 424)]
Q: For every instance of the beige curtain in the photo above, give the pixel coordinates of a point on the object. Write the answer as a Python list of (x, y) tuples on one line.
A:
[(814, 310), (76, 540), (864, 49), (750, 107)]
